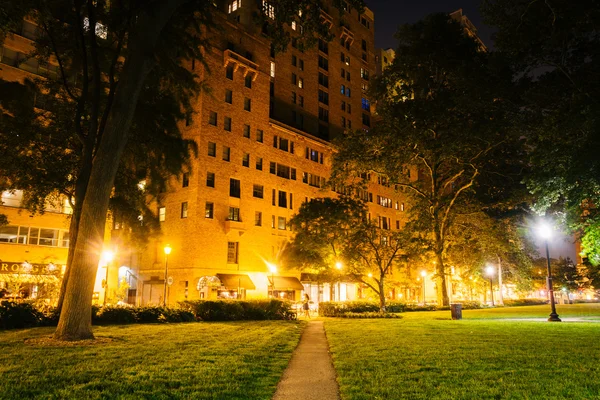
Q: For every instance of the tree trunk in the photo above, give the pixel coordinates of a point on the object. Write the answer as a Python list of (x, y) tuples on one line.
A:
[(500, 296), (442, 290), (381, 294)]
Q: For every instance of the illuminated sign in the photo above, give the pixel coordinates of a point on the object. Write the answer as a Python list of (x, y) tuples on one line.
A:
[(10, 267)]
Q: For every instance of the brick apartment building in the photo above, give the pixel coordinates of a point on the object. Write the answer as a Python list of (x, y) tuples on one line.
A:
[(264, 135)]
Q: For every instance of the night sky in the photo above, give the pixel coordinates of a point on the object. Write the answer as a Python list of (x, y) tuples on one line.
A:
[(389, 14)]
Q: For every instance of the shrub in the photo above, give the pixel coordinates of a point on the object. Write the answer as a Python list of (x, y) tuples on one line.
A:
[(237, 310), (18, 315), (108, 315), (369, 315), (338, 308)]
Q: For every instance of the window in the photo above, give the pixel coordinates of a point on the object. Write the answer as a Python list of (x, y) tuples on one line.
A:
[(323, 63), (300, 83), (234, 214), (282, 202), (259, 135), (227, 124), (323, 114), (247, 131), (185, 180), (162, 213), (323, 80), (212, 149), (366, 104), (283, 144), (209, 210), (323, 97), (248, 81), (229, 72), (258, 218), (281, 224), (226, 153), (364, 45), (272, 71), (228, 96), (246, 160), (364, 73), (234, 5), (259, 163), (349, 109), (212, 118), (234, 188), (314, 155), (282, 171), (402, 207), (364, 57), (294, 79), (323, 46), (232, 252), (247, 104), (273, 221), (258, 191), (397, 224), (294, 97), (343, 89), (301, 65), (313, 180), (210, 179), (294, 60), (184, 209), (366, 120), (301, 101)]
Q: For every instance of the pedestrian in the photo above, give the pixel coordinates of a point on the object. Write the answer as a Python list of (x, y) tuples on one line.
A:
[(305, 306)]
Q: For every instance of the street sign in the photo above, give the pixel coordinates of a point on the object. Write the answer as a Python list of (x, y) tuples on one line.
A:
[(170, 280)]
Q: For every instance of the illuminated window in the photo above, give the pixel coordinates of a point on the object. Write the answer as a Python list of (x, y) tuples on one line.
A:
[(184, 209), (209, 210), (232, 252), (268, 9), (272, 69), (162, 213)]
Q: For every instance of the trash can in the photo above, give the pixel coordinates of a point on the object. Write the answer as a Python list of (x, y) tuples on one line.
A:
[(456, 310)]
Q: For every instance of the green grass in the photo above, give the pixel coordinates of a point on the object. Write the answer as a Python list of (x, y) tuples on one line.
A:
[(425, 355), (238, 360)]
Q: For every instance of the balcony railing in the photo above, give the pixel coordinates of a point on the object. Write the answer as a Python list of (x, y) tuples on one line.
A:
[(231, 57), (347, 35), (326, 19)]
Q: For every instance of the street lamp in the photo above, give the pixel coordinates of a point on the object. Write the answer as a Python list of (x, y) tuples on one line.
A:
[(273, 269), (167, 251), (490, 272), (424, 274), (107, 257), (545, 232), (339, 265)]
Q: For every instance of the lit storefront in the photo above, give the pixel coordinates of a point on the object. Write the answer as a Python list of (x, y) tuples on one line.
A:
[(24, 280)]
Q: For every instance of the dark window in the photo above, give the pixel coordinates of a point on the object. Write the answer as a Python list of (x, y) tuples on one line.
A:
[(259, 163), (323, 63), (228, 96), (323, 114), (227, 124), (259, 136), (293, 97), (294, 60), (294, 79), (247, 131), (210, 179), (323, 46), (301, 65), (185, 180), (247, 104), (258, 191), (323, 80), (323, 97), (364, 45), (246, 160), (282, 202), (248, 81), (212, 118), (301, 101), (234, 188), (212, 149), (226, 153), (366, 119), (258, 218), (366, 104), (229, 72)]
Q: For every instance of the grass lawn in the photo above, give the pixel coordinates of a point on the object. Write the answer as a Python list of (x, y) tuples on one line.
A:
[(238, 360), (425, 355)]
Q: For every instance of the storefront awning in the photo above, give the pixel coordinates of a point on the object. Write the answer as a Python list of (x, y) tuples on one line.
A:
[(234, 281), (287, 283)]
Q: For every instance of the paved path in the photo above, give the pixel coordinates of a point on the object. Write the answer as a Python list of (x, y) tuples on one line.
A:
[(310, 374)]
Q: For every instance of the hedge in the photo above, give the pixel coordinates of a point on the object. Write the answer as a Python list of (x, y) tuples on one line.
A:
[(237, 310), (524, 302), (340, 309)]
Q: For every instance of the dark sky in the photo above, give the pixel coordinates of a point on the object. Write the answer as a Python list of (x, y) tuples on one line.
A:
[(389, 14)]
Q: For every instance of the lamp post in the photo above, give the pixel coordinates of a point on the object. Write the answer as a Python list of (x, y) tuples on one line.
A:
[(490, 272), (423, 274), (545, 232), (107, 256), (273, 269), (167, 251)]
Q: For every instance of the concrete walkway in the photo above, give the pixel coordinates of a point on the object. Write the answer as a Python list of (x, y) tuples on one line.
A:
[(310, 374)]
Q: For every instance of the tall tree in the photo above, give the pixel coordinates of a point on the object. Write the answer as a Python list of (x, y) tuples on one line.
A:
[(109, 55), (443, 109), (554, 49), (336, 233)]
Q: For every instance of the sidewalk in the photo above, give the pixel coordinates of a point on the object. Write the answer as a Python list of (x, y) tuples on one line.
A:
[(310, 374)]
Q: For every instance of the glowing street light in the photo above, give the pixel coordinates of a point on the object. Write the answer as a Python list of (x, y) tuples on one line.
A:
[(167, 251), (370, 275), (544, 230), (489, 270), (339, 265), (273, 269)]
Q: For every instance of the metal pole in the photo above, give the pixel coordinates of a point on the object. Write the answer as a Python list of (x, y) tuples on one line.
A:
[(553, 314), (424, 291), (166, 275), (492, 290)]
